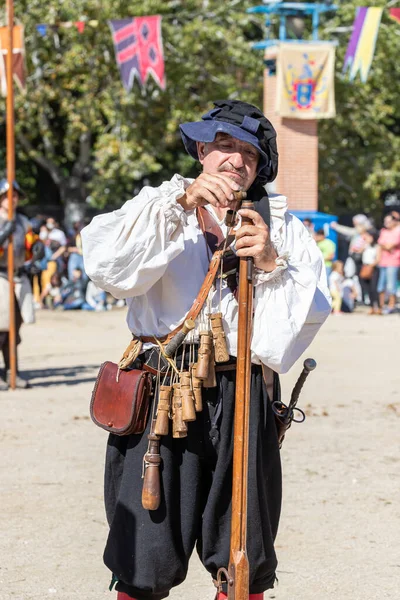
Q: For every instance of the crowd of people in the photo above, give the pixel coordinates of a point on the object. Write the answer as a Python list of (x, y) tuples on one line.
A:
[(370, 273), (59, 280)]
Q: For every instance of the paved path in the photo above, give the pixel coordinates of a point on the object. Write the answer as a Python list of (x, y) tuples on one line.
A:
[(339, 535)]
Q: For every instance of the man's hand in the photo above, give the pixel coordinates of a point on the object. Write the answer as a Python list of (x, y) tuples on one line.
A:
[(254, 240), (215, 189)]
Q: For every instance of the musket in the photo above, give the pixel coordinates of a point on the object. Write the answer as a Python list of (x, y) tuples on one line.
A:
[(237, 574)]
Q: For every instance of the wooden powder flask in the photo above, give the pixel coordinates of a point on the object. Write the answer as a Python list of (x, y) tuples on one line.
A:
[(179, 427), (211, 380), (188, 411), (220, 347), (204, 357), (151, 493), (163, 410), (196, 387)]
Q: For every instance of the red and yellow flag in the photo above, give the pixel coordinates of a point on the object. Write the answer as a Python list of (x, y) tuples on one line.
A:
[(18, 57), (394, 13)]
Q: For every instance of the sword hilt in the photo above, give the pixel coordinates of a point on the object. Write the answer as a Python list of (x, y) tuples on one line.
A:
[(308, 366)]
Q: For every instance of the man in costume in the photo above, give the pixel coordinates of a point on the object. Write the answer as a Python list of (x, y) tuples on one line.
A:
[(155, 252), (24, 250)]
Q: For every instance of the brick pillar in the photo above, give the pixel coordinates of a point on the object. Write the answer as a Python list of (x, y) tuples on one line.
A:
[(298, 153)]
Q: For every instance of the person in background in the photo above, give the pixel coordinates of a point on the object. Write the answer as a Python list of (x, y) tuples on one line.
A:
[(336, 279), (396, 215), (328, 249), (369, 272), (75, 260), (361, 223), (19, 227), (57, 242), (389, 241), (96, 299), (73, 292), (309, 225), (350, 291), (51, 295)]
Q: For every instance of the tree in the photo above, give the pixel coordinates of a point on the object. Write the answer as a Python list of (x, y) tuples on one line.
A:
[(77, 123), (360, 148)]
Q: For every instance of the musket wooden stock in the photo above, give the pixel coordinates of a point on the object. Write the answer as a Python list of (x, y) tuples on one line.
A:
[(238, 569)]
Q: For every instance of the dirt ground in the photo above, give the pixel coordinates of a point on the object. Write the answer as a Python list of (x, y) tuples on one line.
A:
[(339, 534)]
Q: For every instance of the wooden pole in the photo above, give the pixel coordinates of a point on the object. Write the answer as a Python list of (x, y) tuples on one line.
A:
[(11, 178), (238, 570)]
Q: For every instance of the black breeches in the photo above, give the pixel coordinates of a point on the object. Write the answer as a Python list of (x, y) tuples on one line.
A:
[(149, 551)]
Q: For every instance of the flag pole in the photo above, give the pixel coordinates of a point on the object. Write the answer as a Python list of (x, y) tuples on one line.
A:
[(11, 178)]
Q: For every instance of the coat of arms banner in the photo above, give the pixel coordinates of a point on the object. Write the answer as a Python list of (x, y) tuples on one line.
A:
[(305, 81)]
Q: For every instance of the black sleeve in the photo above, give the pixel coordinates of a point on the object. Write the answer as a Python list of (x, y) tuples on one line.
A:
[(5, 232)]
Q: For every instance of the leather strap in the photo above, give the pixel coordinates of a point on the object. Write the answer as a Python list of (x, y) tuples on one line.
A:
[(199, 301), (215, 242)]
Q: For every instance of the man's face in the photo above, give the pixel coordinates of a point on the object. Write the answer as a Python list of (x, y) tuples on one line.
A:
[(238, 160), (4, 200)]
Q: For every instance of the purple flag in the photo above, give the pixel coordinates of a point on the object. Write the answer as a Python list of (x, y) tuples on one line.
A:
[(126, 50), (355, 36)]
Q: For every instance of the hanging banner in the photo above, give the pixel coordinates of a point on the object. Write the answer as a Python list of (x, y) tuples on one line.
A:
[(18, 58), (394, 13), (305, 81), (138, 49), (361, 48)]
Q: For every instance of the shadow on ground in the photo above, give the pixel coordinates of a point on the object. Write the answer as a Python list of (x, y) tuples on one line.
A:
[(61, 375)]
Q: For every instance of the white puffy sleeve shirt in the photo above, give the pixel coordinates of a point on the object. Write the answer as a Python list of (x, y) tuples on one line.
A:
[(153, 254)]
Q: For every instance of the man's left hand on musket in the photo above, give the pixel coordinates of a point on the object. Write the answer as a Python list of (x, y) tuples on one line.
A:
[(254, 240)]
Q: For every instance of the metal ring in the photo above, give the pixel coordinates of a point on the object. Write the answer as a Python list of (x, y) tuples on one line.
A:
[(280, 409), (302, 418)]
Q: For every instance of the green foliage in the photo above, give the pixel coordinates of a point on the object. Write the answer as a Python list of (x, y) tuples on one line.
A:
[(360, 148), (74, 93), (75, 89)]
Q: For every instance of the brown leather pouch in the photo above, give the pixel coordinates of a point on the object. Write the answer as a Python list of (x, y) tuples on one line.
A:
[(120, 399)]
